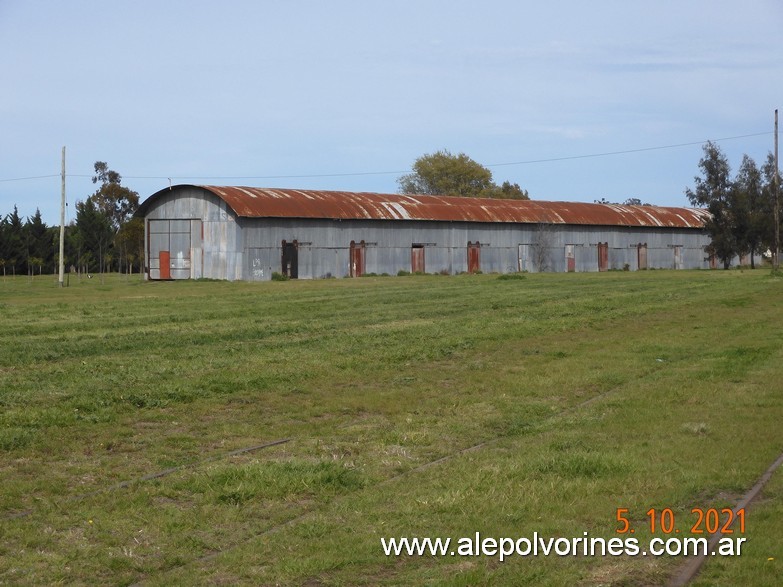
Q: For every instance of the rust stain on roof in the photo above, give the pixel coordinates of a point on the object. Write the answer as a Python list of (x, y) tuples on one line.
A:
[(288, 203)]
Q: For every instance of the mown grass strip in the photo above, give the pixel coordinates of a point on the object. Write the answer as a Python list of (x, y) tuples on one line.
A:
[(164, 473)]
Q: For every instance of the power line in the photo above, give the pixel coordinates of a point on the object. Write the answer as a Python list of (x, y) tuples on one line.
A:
[(628, 151), (311, 175), (397, 172), (528, 162), (31, 177)]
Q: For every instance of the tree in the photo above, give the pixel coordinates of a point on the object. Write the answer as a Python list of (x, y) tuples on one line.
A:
[(39, 242), (748, 209), (114, 201), (34, 262), (442, 173), (105, 175), (635, 202), (713, 191), (627, 202), (14, 246), (510, 191), (92, 234), (130, 241), (543, 242)]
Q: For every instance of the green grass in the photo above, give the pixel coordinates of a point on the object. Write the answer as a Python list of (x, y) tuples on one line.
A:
[(577, 394)]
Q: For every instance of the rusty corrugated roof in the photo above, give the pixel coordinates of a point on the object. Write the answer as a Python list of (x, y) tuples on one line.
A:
[(288, 203)]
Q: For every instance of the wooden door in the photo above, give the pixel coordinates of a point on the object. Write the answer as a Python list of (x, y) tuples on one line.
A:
[(165, 264), (357, 259), (417, 259), (641, 256), (474, 257), (603, 256)]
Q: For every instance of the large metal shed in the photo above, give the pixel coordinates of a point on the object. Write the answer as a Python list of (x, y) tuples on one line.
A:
[(242, 233)]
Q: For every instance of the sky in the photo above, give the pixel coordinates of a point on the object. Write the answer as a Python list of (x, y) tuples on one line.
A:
[(572, 100)]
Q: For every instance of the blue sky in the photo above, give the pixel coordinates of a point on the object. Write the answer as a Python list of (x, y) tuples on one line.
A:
[(346, 94)]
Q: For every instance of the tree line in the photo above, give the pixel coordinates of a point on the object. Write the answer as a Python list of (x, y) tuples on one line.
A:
[(741, 208), (103, 237)]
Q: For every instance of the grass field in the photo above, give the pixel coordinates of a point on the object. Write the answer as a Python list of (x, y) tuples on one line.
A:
[(125, 406)]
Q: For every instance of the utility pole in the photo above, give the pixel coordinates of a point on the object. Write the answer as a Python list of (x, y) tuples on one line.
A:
[(62, 226), (777, 198)]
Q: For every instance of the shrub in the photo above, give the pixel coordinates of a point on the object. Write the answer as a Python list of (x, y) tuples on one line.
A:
[(511, 276)]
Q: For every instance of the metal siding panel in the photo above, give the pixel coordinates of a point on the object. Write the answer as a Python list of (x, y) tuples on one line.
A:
[(180, 249), (438, 259), (585, 258), (196, 247), (180, 273), (306, 269), (259, 263), (159, 226), (180, 226), (158, 242)]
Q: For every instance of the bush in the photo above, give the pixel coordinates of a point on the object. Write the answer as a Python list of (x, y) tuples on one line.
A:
[(279, 276), (511, 276)]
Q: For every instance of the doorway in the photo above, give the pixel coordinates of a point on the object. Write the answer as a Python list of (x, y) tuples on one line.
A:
[(357, 258), (603, 256), (290, 259), (641, 256), (417, 259), (570, 259), (474, 257)]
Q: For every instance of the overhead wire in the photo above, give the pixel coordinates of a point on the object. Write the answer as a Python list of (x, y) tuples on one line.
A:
[(367, 173), (629, 151), (31, 177)]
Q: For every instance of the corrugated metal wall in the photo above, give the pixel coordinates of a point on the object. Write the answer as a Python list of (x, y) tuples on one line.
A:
[(223, 246), (214, 249), (324, 246)]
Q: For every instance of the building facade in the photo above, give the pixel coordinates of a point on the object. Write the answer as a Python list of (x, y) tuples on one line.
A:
[(238, 233)]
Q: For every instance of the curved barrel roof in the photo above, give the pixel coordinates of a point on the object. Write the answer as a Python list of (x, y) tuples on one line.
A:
[(288, 203)]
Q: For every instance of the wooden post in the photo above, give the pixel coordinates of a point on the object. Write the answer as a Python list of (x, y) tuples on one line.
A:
[(62, 226), (777, 198)]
